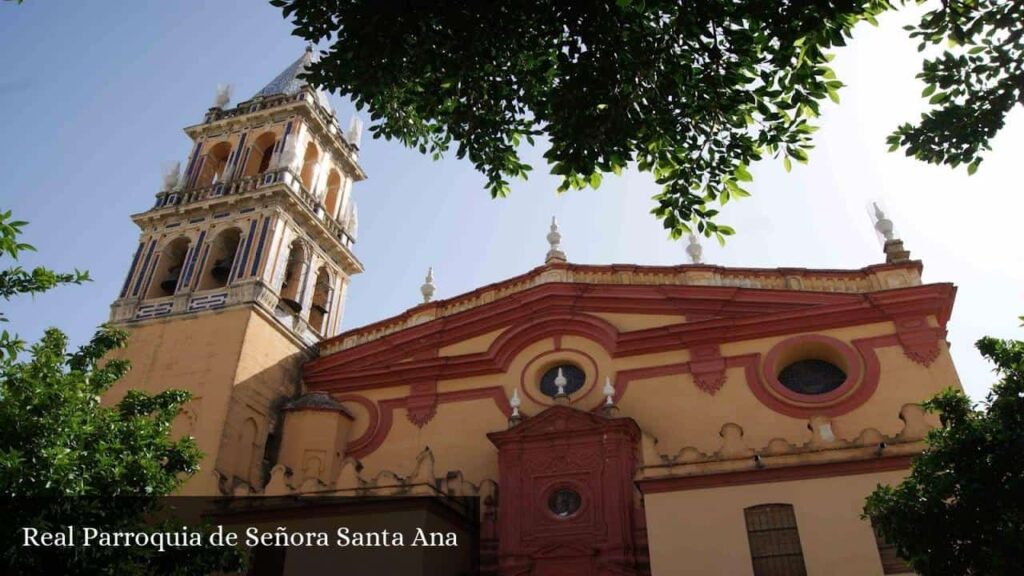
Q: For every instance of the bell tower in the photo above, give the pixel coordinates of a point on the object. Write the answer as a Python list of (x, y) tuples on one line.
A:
[(242, 267)]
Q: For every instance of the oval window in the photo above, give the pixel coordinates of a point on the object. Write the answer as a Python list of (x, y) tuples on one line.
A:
[(812, 377), (574, 379)]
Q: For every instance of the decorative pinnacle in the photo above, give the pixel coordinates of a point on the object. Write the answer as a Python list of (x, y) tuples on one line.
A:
[(515, 403), (695, 250), (609, 391), (882, 224), (223, 96), (560, 382), (172, 175), (428, 288), (555, 254)]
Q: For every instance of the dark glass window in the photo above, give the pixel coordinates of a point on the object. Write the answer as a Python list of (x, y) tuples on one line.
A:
[(564, 502), (774, 541), (812, 376), (575, 378)]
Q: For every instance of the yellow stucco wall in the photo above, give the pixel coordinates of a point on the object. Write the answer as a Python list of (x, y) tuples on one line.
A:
[(700, 532), (671, 409), (236, 365)]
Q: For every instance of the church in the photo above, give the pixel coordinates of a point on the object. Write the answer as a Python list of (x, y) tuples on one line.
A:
[(611, 419)]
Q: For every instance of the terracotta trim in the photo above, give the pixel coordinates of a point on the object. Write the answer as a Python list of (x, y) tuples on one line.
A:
[(780, 474), (371, 427), (624, 377), (770, 368), (375, 364), (751, 363), (664, 270), (362, 448)]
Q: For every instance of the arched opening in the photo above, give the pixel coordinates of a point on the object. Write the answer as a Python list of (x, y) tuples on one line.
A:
[(291, 284), (333, 194), (260, 155), (169, 269), (309, 160), (214, 164), (221, 257), (321, 304)]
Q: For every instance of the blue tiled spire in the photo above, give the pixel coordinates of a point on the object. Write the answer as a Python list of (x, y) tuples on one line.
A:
[(288, 82)]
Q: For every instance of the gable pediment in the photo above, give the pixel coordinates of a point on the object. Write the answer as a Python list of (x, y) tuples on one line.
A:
[(561, 421), (711, 315)]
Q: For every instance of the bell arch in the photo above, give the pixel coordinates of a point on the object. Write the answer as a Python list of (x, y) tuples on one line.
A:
[(291, 285), (223, 251), (214, 164), (333, 197), (260, 155), (320, 307), (309, 161), (169, 268)]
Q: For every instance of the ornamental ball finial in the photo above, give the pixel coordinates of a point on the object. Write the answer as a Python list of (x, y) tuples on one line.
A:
[(882, 224), (609, 391), (554, 237), (428, 288)]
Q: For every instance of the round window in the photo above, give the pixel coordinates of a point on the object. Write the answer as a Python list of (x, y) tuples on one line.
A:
[(812, 377), (574, 379), (564, 502)]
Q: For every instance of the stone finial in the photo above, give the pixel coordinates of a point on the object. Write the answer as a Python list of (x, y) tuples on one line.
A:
[(882, 224), (694, 250), (555, 254), (515, 403), (223, 97), (608, 391), (561, 396), (172, 175), (893, 247), (428, 288), (609, 409), (355, 131)]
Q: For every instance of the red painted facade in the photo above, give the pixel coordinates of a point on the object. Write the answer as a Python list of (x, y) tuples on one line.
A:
[(564, 449)]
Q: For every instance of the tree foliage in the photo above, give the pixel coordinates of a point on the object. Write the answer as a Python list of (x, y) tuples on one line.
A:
[(66, 460), (961, 509), (692, 92), (973, 85), (15, 280)]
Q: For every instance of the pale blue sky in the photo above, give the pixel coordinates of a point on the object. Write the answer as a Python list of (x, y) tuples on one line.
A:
[(96, 94)]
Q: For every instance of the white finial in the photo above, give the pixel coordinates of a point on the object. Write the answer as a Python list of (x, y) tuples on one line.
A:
[(882, 224), (555, 253), (355, 131), (428, 288), (695, 250), (609, 391), (223, 96), (172, 175), (515, 403), (560, 382)]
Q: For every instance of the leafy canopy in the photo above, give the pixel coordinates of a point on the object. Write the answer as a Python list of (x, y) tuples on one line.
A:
[(65, 459), (15, 280), (973, 85), (961, 509), (692, 92)]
